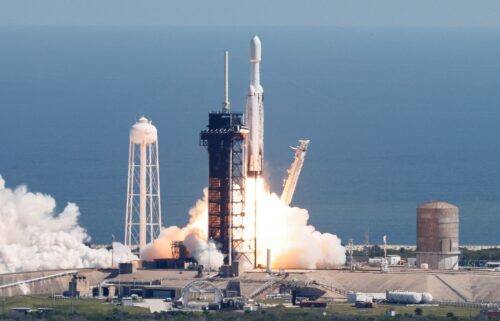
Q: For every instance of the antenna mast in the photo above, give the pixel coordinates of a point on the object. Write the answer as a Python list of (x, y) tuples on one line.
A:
[(226, 104)]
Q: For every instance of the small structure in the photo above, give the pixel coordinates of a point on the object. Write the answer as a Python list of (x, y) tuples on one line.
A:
[(127, 268), (375, 261), (393, 259), (304, 293), (363, 304), (437, 236), (19, 312), (353, 297), (200, 289), (250, 308), (391, 313), (312, 304), (493, 264), (412, 261), (78, 285)]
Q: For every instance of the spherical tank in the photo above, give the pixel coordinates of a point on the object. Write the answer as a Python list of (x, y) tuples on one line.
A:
[(437, 227), (143, 132)]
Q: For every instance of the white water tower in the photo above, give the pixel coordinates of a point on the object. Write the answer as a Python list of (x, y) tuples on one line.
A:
[(143, 212)]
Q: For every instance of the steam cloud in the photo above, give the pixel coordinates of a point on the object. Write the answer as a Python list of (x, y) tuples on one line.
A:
[(283, 229), (33, 237), (194, 237), (294, 243)]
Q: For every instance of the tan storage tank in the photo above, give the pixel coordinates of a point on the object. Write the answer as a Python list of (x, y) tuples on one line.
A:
[(437, 235)]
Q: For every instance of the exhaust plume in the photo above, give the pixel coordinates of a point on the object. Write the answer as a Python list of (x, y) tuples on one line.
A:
[(194, 237), (281, 228), (286, 232), (33, 237)]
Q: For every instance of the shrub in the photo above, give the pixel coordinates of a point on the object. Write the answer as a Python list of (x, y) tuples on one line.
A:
[(418, 311)]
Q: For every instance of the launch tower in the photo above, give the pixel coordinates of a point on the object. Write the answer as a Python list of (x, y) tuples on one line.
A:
[(225, 139)]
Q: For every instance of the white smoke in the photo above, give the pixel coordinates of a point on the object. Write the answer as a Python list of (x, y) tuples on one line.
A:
[(33, 237), (292, 241), (283, 229), (24, 288), (205, 253), (194, 237)]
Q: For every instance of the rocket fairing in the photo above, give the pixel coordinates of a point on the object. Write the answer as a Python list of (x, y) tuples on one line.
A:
[(255, 113)]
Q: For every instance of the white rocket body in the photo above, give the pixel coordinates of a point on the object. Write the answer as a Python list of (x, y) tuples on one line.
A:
[(255, 113)]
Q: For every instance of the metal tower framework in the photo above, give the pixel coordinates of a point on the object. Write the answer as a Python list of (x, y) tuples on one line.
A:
[(293, 172), (225, 139), (143, 195)]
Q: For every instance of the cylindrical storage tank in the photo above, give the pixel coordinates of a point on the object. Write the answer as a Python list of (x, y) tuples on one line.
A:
[(437, 235), (403, 297), (437, 227), (426, 297)]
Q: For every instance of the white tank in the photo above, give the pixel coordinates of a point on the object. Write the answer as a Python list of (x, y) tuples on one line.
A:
[(143, 207), (404, 297), (427, 297), (143, 132)]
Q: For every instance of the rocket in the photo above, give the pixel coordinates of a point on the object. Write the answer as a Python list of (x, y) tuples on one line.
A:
[(255, 113)]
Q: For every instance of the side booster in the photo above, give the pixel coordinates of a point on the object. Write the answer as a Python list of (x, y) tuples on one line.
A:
[(255, 113)]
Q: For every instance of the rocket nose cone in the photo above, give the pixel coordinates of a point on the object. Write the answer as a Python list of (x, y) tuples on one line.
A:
[(256, 40), (255, 49)]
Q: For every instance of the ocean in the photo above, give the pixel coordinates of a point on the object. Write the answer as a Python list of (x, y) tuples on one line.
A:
[(396, 117)]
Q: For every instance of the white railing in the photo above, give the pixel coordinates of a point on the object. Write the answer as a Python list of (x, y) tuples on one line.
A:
[(41, 278)]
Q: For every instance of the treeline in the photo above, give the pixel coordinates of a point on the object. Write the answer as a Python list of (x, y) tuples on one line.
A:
[(377, 251), (484, 255), (479, 257)]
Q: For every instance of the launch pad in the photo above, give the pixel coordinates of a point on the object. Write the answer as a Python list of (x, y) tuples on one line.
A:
[(445, 286)]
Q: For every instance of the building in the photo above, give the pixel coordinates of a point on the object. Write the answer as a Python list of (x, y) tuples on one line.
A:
[(437, 236), (393, 259)]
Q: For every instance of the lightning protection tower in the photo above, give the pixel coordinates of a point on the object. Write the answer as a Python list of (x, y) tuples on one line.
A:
[(143, 206)]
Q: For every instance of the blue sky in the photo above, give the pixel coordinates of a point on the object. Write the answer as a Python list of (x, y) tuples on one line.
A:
[(300, 13)]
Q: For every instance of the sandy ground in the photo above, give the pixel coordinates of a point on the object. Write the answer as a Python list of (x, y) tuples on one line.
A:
[(154, 305), (450, 286), (460, 286)]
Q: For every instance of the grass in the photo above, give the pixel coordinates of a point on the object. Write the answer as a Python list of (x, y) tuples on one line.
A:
[(97, 310), (380, 309), (67, 306)]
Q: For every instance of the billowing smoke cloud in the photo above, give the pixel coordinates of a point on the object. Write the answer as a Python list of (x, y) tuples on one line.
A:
[(283, 229), (194, 237), (293, 243), (33, 237)]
